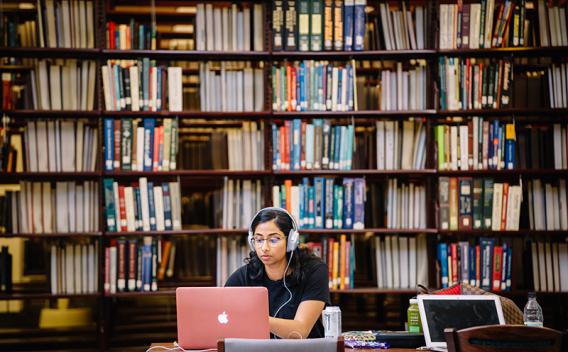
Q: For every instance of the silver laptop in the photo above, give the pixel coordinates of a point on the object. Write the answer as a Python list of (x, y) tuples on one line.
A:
[(439, 312)]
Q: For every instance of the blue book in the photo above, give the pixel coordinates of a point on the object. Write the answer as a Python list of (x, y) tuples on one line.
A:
[(297, 128), (359, 203), (275, 147), (329, 195), (337, 147), (305, 203), (338, 222), (151, 206), (319, 184), (486, 262), (490, 145), (159, 94), (168, 222), (147, 264), (348, 12), (110, 207), (311, 207), (347, 203), (154, 285), (443, 259), (339, 89), (472, 261), (302, 82), (349, 104), (109, 144), (145, 83), (349, 149), (117, 80), (509, 267), (442, 69), (149, 126), (359, 24)]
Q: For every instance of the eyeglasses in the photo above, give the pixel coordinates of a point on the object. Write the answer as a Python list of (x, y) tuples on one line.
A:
[(272, 241)]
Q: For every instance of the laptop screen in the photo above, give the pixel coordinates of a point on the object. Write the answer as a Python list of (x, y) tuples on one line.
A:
[(458, 314)]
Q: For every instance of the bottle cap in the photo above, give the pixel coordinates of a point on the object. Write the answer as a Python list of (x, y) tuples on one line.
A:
[(413, 301)]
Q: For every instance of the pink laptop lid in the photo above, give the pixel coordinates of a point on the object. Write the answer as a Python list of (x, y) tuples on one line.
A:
[(207, 314)]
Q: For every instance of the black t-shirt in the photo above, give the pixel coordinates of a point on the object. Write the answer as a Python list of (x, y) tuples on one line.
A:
[(314, 287)]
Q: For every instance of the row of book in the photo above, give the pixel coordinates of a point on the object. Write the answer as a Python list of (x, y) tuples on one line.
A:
[(141, 144), (231, 254), (58, 146), (14, 33), (478, 203), (131, 36), (142, 206), (482, 25), (224, 148), (403, 89), (74, 268), (324, 202), (401, 145), (316, 25), (549, 266), (552, 23), (58, 84), (5, 270), (297, 145), (65, 24), (558, 85), (229, 28), (406, 205), (477, 145), (548, 204), (474, 83), (141, 85), (542, 146), (46, 207), (133, 265), (487, 265), (314, 86), (339, 255), (401, 262), (231, 86), (241, 199), (402, 26)]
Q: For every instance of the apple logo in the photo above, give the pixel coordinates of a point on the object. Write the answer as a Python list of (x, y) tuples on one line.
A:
[(223, 318)]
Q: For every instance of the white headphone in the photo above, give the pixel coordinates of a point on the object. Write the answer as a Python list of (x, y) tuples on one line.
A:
[(293, 235)]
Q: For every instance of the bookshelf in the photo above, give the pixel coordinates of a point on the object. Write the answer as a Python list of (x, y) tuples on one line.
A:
[(365, 294)]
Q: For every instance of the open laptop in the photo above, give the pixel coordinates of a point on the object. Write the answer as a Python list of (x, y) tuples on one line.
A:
[(439, 312), (207, 314)]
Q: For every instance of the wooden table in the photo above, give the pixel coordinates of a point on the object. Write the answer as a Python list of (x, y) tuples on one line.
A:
[(347, 349)]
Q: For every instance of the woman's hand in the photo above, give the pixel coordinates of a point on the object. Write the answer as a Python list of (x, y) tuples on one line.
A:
[(298, 328)]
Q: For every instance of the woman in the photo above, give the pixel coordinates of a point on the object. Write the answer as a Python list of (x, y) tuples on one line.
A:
[(296, 299)]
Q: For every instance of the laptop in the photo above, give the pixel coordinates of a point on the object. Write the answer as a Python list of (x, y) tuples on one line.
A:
[(208, 314), (439, 312)]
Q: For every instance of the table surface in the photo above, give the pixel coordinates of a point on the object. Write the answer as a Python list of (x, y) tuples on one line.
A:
[(170, 345)]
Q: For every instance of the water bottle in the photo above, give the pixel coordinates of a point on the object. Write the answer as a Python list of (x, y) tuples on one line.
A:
[(533, 313)]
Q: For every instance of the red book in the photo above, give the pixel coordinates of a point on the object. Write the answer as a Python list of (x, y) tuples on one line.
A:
[(497, 257), (454, 253), (477, 266), (156, 155), (132, 261), (293, 89), (122, 208), (121, 282), (303, 146), (107, 270), (110, 31), (282, 165), (330, 260), (503, 225)]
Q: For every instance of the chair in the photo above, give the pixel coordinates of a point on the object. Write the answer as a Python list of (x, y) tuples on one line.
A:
[(505, 338), (284, 345)]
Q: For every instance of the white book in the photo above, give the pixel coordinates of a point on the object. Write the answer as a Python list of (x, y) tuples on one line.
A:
[(139, 149), (419, 15), (542, 23), (129, 204), (514, 208), (67, 142), (395, 260), (78, 268), (134, 87), (454, 147), (69, 268), (175, 96), (113, 272), (209, 28), (563, 27), (55, 86), (549, 207), (412, 261), (556, 266), (159, 205), (535, 264), (258, 90), (549, 267), (404, 267), (90, 24), (497, 205), (384, 23), (563, 264), (53, 270), (200, 27), (246, 29), (389, 261), (464, 150), (379, 254), (380, 127), (258, 29), (542, 266), (62, 210), (563, 205), (144, 203)]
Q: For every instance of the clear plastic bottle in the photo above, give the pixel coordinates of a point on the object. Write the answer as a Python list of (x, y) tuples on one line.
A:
[(414, 323), (533, 312)]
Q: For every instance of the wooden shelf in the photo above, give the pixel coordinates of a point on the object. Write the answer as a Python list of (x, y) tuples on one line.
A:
[(210, 232), (366, 231), (516, 52), (188, 114), (51, 235), (51, 113), (15, 177), (356, 114), (514, 172), (491, 233), (375, 290), (188, 173), (361, 172), (50, 52), (360, 55), (44, 295), (160, 292), (185, 55), (503, 112)]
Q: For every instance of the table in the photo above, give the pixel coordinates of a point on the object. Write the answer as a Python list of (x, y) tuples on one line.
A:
[(347, 349)]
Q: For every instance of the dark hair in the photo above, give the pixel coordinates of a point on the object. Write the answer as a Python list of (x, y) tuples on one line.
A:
[(301, 261)]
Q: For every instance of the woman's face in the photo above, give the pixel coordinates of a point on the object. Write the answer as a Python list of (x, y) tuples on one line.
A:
[(269, 243)]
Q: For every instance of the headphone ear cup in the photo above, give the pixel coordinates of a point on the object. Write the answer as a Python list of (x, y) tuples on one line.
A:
[(293, 239), (249, 240)]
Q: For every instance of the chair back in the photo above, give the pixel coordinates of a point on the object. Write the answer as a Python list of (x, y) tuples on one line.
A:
[(505, 338), (284, 345)]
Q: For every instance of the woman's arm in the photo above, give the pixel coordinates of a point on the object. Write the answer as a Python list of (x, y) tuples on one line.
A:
[(298, 328)]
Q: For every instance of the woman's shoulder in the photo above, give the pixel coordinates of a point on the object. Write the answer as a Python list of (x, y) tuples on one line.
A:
[(314, 266), (238, 278)]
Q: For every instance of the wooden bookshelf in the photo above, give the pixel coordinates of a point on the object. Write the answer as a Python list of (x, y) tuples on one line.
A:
[(106, 303)]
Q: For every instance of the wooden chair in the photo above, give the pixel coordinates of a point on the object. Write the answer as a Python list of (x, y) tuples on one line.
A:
[(284, 345), (505, 338)]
